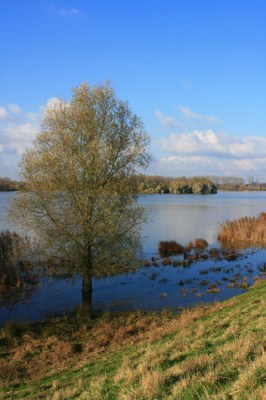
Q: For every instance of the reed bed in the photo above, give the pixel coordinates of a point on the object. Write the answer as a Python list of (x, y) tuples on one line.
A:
[(245, 229)]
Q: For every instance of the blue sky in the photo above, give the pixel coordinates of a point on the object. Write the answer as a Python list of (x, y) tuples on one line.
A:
[(193, 70)]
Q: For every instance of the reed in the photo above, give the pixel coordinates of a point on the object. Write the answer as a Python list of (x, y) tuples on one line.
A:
[(245, 229)]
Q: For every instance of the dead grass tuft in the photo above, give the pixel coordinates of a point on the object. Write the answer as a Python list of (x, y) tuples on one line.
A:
[(198, 244), (167, 248)]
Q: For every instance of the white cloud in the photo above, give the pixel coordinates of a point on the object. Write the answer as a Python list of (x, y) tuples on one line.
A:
[(56, 11), (196, 142), (188, 120), (4, 115), (213, 143), (69, 11), (14, 108), (33, 116), (203, 118), (17, 131), (167, 122), (210, 153), (53, 102), (18, 137)]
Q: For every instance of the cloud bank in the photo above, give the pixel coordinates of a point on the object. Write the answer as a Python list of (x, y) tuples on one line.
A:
[(212, 153), (208, 151), (192, 115), (18, 129), (69, 12)]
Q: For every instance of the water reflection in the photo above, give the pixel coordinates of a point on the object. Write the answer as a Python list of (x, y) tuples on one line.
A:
[(170, 217), (187, 217)]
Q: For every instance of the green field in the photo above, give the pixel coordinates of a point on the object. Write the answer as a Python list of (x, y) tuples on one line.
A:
[(209, 352)]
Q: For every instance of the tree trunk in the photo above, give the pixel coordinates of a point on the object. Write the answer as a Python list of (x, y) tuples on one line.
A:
[(87, 289)]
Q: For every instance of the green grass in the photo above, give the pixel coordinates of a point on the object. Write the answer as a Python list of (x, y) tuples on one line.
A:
[(211, 352)]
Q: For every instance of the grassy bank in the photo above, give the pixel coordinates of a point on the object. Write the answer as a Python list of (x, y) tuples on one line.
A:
[(208, 352)]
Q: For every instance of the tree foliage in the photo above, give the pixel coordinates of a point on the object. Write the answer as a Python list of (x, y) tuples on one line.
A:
[(76, 194)]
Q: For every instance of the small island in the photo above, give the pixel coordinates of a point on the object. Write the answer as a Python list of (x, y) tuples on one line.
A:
[(179, 185)]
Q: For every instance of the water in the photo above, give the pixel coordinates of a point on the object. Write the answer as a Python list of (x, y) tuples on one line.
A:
[(170, 217)]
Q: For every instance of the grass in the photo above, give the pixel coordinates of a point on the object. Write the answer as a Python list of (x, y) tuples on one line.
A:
[(245, 230), (208, 353)]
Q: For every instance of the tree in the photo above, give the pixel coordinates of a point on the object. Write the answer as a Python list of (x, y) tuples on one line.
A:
[(76, 195)]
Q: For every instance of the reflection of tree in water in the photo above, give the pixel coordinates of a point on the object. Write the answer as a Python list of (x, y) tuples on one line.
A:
[(19, 274), (11, 296)]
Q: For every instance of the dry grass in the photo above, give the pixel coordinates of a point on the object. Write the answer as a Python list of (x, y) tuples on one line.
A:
[(246, 229), (32, 352)]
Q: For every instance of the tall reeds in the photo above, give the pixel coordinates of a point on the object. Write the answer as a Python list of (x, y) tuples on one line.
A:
[(245, 229)]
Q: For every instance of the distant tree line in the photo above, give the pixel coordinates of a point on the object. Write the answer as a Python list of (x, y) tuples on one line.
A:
[(224, 180), (178, 185), (7, 184), (234, 183)]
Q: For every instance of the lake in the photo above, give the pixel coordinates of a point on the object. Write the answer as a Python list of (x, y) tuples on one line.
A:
[(170, 217)]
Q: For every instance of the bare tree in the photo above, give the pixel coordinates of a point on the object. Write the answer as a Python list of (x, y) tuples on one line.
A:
[(77, 197)]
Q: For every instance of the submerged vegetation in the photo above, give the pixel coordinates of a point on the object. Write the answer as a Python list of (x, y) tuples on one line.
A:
[(246, 229), (171, 247), (209, 352)]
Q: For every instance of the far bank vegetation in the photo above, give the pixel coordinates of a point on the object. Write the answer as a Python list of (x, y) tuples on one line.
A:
[(179, 185), (7, 185), (245, 229)]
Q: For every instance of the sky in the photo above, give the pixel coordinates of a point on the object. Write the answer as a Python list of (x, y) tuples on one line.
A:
[(194, 71)]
